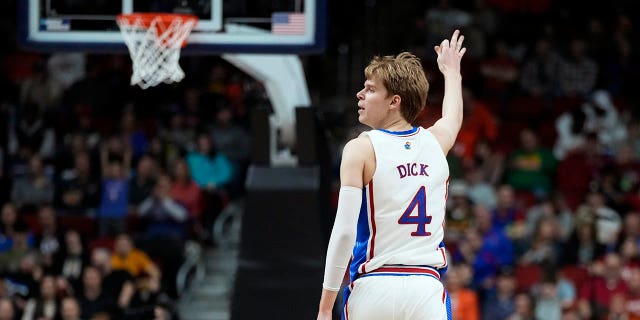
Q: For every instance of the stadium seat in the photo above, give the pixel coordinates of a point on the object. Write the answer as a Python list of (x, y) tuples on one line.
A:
[(527, 276)]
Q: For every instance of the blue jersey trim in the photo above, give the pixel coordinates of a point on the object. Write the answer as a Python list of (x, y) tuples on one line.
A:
[(400, 133)]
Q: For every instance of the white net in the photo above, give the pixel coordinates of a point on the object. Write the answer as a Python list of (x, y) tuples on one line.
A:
[(155, 46)]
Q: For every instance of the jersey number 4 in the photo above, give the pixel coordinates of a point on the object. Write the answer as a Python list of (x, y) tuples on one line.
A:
[(419, 202)]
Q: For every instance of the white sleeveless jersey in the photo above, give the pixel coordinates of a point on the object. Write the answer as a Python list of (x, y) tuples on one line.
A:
[(401, 222)]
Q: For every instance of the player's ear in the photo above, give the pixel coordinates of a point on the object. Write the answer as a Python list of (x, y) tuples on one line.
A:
[(395, 101)]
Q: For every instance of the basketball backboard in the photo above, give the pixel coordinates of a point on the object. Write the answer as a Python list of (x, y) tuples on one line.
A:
[(225, 26)]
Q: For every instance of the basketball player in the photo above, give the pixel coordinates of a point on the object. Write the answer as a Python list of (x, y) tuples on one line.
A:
[(393, 191)]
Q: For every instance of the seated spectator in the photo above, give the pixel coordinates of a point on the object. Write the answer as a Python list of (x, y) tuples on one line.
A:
[(143, 181), (22, 247), (119, 283), (9, 223), (578, 71), (212, 171), (49, 238), (553, 295), (46, 305), (459, 213), (92, 298), (34, 189), (500, 302), (74, 260), (186, 192), (595, 296), (531, 167), (554, 207), (78, 190), (478, 125), (7, 309), (163, 215), (544, 247), (523, 307), (480, 191), (464, 301), (507, 215), (232, 140), (486, 248), (585, 248), (137, 263), (608, 221), (70, 309)]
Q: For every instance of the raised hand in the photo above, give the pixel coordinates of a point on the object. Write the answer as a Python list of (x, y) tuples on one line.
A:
[(450, 53)]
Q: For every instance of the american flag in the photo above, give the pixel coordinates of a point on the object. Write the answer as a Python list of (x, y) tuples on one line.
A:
[(288, 23)]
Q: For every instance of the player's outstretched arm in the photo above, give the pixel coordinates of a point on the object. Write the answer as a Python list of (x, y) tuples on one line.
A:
[(343, 234), (450, 54)]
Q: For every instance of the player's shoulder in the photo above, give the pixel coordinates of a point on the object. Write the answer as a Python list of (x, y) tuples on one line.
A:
[(359, 144)]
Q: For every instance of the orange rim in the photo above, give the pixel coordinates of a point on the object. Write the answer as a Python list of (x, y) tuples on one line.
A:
[(148, 17)]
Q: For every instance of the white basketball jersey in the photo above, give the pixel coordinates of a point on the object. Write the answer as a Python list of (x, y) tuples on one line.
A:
[(401, 222)]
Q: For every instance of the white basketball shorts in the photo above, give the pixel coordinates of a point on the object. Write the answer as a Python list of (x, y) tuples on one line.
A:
[(393, 296)]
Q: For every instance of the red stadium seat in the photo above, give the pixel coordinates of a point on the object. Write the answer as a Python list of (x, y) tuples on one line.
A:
[(527, 276)]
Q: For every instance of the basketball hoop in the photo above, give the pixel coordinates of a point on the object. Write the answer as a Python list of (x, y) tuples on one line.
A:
[(154, 41)]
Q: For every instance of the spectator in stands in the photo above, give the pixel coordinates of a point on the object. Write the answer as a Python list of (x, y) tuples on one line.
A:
[(500, 71), (486, 248), (464, 301), (213, 172), (9, 223), (118, 283), (49, 238), (114, 201), (480, 191), (137, 263), (210, 169), (632, 305), (500, 302), (552, 207), (74, 260), (163, 215), (507, 215), (459, 213), (180, 137), (165, 228), (70, 309), (7, 310), (531, 167), (608, 221), (32, 134), (603, 119), (92, 298), (596, 295), (46, 305), (143, 181), (524, 307), (577, 72), (539, 72), (78, 190), (571, 132), (188, 193), (35, 188), (232, 140), (478, 125), (22, 248), (131, 131), (585, 247), (553, 295), (545, 247)]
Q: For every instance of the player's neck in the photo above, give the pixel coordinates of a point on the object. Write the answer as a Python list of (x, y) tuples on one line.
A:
[(396, 125)]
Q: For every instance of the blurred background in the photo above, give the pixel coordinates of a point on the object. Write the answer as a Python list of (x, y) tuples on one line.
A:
[(122, 203)]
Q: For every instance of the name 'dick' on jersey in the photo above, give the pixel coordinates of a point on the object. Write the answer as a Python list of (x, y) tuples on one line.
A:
[(401, 220)]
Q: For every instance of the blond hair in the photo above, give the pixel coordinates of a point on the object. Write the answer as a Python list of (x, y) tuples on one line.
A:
[(402, 75)]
